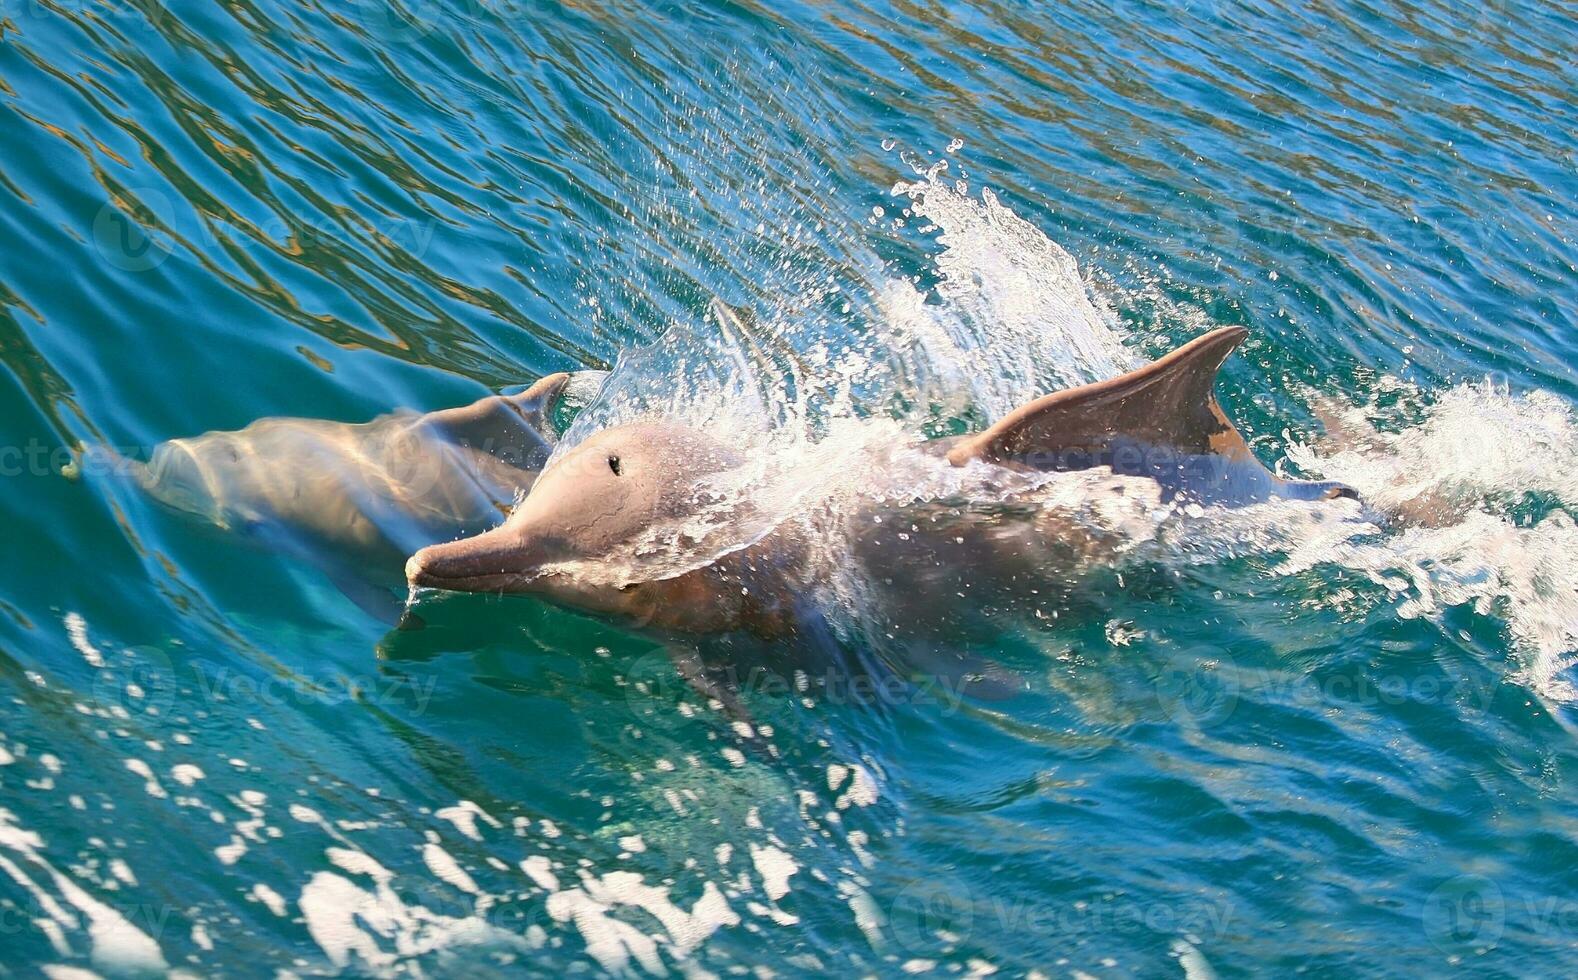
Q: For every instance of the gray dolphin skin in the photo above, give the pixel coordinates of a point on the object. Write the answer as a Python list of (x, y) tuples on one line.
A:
[(591, 507), (357, 499)]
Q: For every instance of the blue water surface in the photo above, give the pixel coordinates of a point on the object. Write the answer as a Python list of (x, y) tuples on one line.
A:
[(1257, 748)]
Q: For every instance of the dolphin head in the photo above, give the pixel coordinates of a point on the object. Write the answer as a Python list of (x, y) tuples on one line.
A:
[(592, 509)]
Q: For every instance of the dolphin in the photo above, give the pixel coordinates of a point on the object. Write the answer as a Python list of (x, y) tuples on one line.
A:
[(356, 499), (584, 535)]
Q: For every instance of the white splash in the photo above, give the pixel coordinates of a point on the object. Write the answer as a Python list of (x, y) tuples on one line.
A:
[(775, 867), (374, 925), (816, 402), (447, 869), (77, 632), (186, 774), (1017, 319), (540, 870), (117, 945), (862, 789), (464, 815), (269, 897), (614, 942), (1456, 479)]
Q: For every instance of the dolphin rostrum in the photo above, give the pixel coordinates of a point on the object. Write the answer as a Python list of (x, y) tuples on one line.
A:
[(583, 537)]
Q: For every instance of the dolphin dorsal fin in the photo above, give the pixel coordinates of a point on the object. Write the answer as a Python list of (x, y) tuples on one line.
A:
[(502, 422), (1167, 404)]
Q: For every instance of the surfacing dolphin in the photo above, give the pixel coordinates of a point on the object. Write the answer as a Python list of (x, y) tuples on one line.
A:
[(356, 499), (574, 537)]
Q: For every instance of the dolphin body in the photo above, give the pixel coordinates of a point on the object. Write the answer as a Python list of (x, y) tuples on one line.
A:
[(356, 499), (573, 538)]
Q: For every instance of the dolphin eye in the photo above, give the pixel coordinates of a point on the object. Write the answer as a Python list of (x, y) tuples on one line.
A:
[(613, 464)]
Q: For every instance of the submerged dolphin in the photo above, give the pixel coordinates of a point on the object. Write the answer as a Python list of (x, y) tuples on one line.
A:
[(357, 499), (588, 518)]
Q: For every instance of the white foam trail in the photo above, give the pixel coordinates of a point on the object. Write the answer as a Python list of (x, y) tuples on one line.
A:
[(1463, 472), (1463, 506), (1474, 443)]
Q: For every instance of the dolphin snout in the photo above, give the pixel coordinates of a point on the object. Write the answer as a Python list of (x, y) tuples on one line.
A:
[(483, 563), (418, 568)]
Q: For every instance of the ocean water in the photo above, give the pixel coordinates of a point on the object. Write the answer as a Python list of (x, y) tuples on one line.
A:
[(1255, 742)]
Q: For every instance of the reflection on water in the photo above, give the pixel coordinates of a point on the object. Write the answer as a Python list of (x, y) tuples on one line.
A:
[(1263, 741)]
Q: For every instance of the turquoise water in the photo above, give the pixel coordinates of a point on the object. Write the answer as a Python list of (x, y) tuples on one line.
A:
[(1260, 742)]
